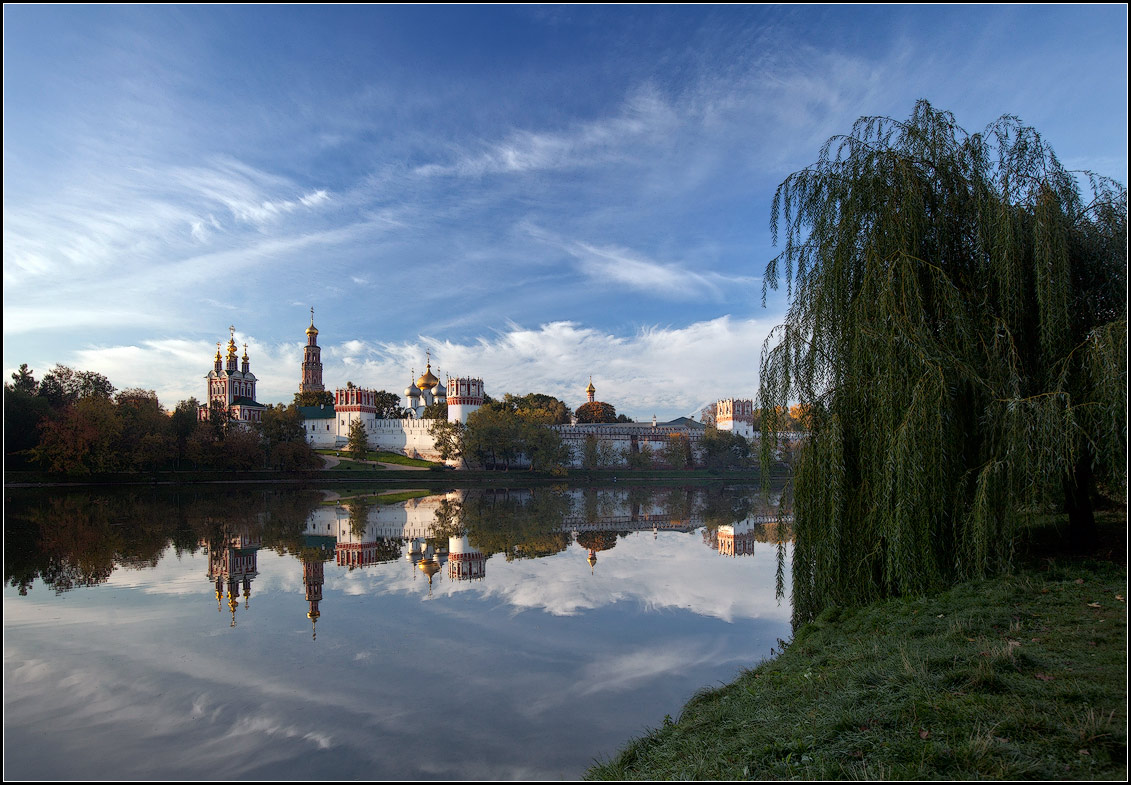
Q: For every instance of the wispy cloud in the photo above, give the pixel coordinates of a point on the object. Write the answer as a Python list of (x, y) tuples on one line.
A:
[(673, 281), (644, 116)]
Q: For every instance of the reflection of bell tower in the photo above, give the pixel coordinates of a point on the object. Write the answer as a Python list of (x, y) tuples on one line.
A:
[(592, 559), (465, 563), (313, 576)]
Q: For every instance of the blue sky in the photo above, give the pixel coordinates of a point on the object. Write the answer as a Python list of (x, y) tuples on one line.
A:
[(535, 194)]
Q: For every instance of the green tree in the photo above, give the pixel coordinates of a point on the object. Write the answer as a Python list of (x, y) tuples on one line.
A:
[(358, 443), (389, 406), (596, 412), (448, 438), (957, 331), (435, 411), (24, 410), (284, 438), (63, 386), (677, 452), (314, 398), (589, 458), (538, 408), (724, 449), (184, 421), (644, 458), (492, 437), (544, 448), (146, 439), (23, 381), (82, 440)]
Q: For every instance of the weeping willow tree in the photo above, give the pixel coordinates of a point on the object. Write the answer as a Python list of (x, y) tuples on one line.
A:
[(957, 328)]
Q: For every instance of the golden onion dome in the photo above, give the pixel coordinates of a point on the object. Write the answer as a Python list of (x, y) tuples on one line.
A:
[(590, 388), (429, 567), (312, 330), (427, 379), (232, 347), (217, 351)]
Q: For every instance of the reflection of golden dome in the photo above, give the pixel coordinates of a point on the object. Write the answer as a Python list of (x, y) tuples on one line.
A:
[(427, 380), (429, 567)]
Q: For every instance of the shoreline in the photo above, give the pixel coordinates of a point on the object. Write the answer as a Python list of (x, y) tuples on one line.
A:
[(414, 476)]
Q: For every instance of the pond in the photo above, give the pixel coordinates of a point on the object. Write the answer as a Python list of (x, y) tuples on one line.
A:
[(245, 633)]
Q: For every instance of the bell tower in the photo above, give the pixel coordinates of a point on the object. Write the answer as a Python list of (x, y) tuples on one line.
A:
[(311, 360)]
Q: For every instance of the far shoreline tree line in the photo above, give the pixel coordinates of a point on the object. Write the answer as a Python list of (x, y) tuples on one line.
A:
[(77, 422)]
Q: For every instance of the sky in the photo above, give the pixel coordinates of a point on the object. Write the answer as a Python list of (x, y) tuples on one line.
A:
[(535, 195)]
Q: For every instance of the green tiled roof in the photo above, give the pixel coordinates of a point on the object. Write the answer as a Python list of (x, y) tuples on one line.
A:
[(323, 412)]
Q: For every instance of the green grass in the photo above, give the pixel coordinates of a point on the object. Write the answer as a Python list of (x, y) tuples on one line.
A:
[(1018, 677), (348, 463)]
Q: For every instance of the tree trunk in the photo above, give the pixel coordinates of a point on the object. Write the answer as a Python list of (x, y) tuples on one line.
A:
[(1082, 532)]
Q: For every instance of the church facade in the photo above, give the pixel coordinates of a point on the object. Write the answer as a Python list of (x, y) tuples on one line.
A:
[(230, 389)]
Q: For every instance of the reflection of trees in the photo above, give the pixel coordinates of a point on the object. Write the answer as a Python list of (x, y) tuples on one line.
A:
[(600, 540), (720, 505), (71, 539), (359, 515), (524, 524)]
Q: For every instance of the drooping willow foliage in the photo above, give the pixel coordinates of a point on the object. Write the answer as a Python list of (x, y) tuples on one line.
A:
[(958, 329)]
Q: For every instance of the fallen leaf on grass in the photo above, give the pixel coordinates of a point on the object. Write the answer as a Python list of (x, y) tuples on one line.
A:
[(1119, 597), (1079, 580), (1094, 605), (1042, 677), (924, 734)]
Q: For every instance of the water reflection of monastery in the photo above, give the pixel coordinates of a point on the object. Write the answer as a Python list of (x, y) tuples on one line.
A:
[(362, 533)]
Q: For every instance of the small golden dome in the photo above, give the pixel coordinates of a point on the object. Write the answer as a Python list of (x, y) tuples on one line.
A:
[(590, 388), (429, 567), (312, 330), (232, 347)]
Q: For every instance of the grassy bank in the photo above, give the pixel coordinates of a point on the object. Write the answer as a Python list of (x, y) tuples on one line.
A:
[(1019, 677)]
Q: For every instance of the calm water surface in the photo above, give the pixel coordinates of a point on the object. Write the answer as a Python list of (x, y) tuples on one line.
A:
[(295, 635)]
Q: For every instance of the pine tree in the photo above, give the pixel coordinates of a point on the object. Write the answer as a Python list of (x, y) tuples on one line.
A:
[(957, 329)]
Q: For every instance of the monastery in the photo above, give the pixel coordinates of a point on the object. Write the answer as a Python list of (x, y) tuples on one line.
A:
[(328, 426)]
